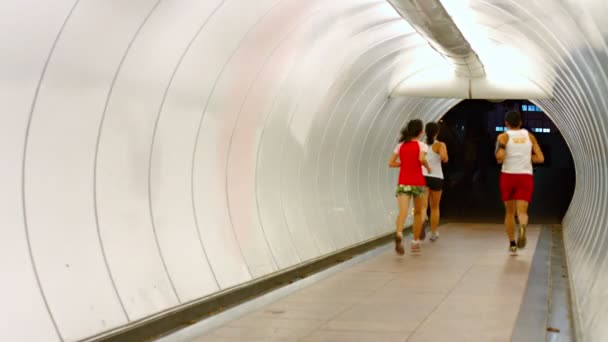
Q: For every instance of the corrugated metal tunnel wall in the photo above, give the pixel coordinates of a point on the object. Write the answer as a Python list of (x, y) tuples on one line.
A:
[(156, 152)]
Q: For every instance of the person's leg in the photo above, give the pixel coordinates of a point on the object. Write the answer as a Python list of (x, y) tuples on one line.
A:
[(510, 225), (403, 201), (522, 214), (425, 204), (418, 216), (510, 219), (523, 195), (506, 194), (435, 200)]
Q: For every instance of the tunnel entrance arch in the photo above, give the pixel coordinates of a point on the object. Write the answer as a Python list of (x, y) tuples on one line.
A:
[(471, 191)]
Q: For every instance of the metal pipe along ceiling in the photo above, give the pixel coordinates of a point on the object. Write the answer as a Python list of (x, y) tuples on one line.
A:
[(155, 152), (430, 19)]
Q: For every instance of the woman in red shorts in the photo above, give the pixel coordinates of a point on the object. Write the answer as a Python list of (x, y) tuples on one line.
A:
[(516, 150), (409, 156)]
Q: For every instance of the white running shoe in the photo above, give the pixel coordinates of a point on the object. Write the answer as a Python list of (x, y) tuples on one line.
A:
[(434, 236), (415, 247)]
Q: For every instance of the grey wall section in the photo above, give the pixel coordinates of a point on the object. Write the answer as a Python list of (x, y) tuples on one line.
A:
[(156, 152)]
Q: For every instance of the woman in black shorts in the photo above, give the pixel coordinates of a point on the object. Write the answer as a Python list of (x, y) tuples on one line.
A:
[(437, 153)]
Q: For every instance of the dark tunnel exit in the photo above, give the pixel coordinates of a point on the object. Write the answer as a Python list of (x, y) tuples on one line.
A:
[(471, 190)]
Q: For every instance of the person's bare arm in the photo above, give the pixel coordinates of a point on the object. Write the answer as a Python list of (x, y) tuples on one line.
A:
[(537, 154), (501, 145), (394, 162), (443, 152), (424, 162)]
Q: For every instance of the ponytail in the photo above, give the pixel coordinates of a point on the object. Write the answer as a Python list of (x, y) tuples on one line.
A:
[(431, 130)]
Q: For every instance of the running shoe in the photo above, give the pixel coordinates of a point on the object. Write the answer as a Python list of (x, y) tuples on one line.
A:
[(399, 245), (521, 238), (434, 236), (513, 250), (415, 247)]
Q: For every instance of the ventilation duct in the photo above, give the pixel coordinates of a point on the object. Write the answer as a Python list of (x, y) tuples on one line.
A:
[(433, 23), (469, 78)]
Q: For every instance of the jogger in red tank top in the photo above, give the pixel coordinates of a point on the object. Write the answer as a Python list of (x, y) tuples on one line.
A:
[(409, 156)]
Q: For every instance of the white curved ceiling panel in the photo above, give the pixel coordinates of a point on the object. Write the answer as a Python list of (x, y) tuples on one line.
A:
[(211, 174), (20, 68), (314, 90), (156, 152), (328, 199), (273, 124), (59, 167), (218, 45), (242, 154), (269, 74), (124, 154), (172, 33)]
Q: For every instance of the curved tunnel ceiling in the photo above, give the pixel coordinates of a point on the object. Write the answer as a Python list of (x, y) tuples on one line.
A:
[(156, 152)]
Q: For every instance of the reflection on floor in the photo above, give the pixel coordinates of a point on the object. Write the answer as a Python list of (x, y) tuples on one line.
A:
[(464, 287)]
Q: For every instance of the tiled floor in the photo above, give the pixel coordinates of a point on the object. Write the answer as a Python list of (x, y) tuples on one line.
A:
[(465, 287)]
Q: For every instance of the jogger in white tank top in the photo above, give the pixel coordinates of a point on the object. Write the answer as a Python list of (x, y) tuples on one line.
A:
[(516, 150), (437, 154)]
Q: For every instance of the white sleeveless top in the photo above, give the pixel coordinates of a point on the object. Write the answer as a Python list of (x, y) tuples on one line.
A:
[(518, 158), (434, 160)]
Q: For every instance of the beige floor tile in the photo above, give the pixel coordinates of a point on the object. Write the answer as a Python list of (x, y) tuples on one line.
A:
[(259, 333), (359, 281), (286, 309), (509, 270), (475, 309), (402, 314), (260, 322), (399, 294), (441, 334), (351, 336), (428, 279), (330, 295), (488, 287), (369, 326)]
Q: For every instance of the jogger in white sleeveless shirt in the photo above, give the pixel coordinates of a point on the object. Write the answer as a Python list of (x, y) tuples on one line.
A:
[(437, 154), (517, 149)]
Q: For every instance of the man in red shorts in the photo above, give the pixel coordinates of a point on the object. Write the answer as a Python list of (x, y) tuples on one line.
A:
[(516, 150)]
